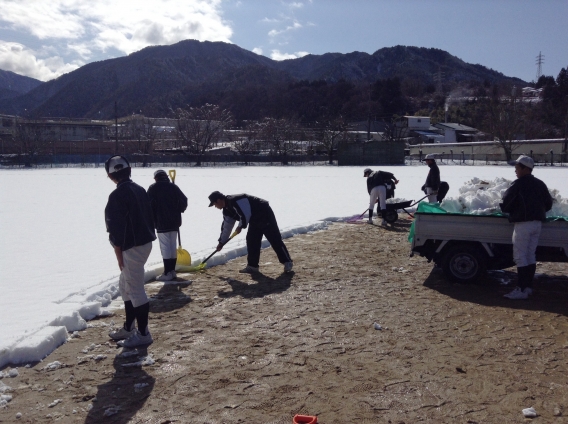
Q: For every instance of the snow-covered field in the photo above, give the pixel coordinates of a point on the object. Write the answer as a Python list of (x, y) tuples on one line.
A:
[(58, 268)]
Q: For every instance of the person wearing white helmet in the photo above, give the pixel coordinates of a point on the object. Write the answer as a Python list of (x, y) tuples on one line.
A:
[(526, 202), (130, 224)]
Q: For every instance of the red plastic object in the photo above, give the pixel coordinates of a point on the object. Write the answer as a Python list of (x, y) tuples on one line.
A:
[(305, 419)]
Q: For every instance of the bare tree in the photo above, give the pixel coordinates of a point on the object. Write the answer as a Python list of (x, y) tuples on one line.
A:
[(281, 135), (504, 120), (200, 128), (248, 141), (330, 134), (394, 130), (31, 140)]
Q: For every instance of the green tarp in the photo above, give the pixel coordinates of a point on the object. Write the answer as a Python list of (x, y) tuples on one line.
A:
[(435, 208)]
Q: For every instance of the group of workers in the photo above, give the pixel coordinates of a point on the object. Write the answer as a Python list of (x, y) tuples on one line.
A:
[(381, 185), (134, 215), (526, 202)]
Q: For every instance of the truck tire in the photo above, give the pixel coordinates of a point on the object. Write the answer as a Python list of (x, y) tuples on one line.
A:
[(463, 263), (391, 216)]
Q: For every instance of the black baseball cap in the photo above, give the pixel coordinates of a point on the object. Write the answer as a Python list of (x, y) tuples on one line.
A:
[(213, 197), (367, 171)]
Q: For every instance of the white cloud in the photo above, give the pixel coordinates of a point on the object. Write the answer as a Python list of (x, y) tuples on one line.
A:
[(88, 28), (278, 55), (296, 5), (17, 58), (257, 50), (294, 26)]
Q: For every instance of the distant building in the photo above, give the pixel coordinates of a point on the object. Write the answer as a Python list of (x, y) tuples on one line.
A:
[(458, 133)]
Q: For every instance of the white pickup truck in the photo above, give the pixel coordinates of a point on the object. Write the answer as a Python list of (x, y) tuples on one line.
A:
[(465, 246)]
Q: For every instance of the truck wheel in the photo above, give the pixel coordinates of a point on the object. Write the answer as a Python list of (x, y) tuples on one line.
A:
[(463, 263), (391, 216)]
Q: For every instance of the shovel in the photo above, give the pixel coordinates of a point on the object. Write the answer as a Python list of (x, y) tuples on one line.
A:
[(203, 262), (183, 256)]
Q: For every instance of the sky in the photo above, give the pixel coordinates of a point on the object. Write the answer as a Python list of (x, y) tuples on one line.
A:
[(44, 39)]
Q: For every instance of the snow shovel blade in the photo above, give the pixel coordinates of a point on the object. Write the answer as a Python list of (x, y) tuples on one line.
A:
[(203, 263), (183, 257)]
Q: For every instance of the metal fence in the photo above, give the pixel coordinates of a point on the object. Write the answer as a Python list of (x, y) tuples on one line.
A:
[(462, 158), (166, 160)]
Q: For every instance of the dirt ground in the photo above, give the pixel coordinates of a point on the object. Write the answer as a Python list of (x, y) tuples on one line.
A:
[(234, 348)]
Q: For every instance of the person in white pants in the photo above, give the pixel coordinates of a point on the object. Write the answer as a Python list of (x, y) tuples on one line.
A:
[(526, 202), (129, 222), (376, 187), (168, 203)]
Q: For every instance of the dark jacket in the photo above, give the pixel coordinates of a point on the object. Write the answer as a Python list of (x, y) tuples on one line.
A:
[(527, 199), (433, 178), (379, 178), (244, 208), (168, 203), (128, 216)]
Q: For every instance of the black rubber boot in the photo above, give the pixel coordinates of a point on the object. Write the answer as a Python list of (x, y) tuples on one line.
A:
[(531, 271), (523, 273)]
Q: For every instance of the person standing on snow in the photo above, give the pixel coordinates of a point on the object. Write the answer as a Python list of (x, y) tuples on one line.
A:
[(257, 214), (526, 202), (168, 203), (377, 182), (432, 184), (129, 222)]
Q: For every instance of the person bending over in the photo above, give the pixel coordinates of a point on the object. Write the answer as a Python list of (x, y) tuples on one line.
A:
[(377, 182), (257, 215)]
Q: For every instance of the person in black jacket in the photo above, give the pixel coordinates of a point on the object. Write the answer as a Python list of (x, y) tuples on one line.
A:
[(129, 222), (168, 203), (432, 180), (257, 214), (526, 202), (378, 184)]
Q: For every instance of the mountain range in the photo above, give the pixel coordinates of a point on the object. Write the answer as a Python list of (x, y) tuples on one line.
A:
[(157, 79), (14, 85)]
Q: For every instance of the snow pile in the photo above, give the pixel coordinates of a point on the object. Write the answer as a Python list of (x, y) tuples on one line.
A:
[(560, 205), (34, 347), (478, 197), (11, 373), (482, 197), (239, 248), (4, 399)]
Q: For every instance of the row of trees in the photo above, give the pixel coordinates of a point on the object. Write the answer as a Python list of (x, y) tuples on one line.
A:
[(196, 131), (201, 128)]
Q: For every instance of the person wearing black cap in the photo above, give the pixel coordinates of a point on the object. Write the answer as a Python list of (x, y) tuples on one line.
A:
[(168, 203), (257, 214), (432, 183), (129, 222), (377, 184), (526, 202)]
